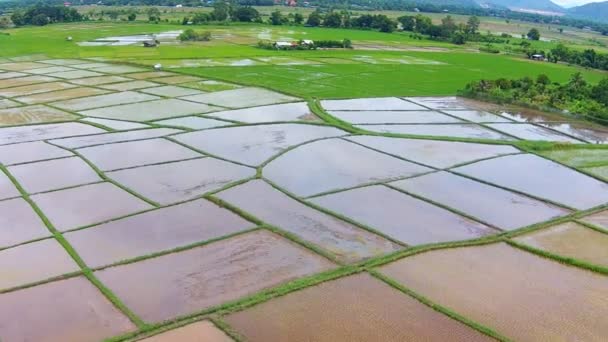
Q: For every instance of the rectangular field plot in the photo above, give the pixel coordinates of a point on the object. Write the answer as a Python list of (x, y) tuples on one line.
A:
[(510, 291), (104, 100), (241, 98), (210, 85), (32, 114), (334, 164), (388, 117), (203, 331), (34, 262), (439, 130), (176, 79), (280, 112), (401, 216), (29, 152), (193, 122), (86, 205), (20, 66), (477, 116), (182, 283), (6, 103), (542, 178), (58, 174), (532, 132), (133, 85), (448, 103), (355, 308), (180, 181), (570, 240), (171, 91), (594, 134), (498, 207), (435, 153), (64, 310), (61, 95), (24, 81), (110, 138), (345, 241), (150, 110), (154, 231), (93, 81), (70, 75), (35, 89), (7, 189), (383, 104), (599, 219), (49, 70), (116, 125), (19, 223)]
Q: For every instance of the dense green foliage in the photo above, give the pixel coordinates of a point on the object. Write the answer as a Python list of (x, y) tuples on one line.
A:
[(575, 96), (588, 58), (193, 36), (41, 15)]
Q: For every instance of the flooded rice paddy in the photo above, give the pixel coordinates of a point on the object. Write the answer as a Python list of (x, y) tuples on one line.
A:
[(130, 196)]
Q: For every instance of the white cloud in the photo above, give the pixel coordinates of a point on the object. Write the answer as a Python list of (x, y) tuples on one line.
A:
[(572, 3)]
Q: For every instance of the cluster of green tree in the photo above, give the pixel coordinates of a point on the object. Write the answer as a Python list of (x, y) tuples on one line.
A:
[(588, 58), (575, 96), (224, 11), (343, 19), (447, 30), (190, 35), (44, 14)]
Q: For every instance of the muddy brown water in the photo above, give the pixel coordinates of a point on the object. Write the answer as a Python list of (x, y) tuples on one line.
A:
[(182, 283), (599, 219), (109, 138), (88, 204), (193, 122), (334, 164), (68, 310), (436, 153), (380, 103), (403, 117), (150, 110), (93, 81), (531, 132), (20, 66), (11, 135), (61, 95), (401, 216), (540, 177), (176, 79), (58, 174), (571, 240), (241, 98), (154, 231), (34, 262), (439, 130), (252, 145), (32, 114), (510, 291), (355, 308), (19, 223), (136, 153), (280, 112), (501, 208), (180, 181), (203, 331), (35, 89), (347, 242)]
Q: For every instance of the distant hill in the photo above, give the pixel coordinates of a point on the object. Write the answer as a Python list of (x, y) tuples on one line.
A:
[(541, 5), (597, 11)]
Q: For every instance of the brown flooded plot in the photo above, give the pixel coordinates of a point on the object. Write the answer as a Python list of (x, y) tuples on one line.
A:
[(345, 241), (498, 207), (176, 79), (203, 331), (272, 113), (19, 223), (61, 95), (401, 216), (86, 205), (24, 81), (93, 81), (599, 219), (70, 75), (104, 100), (252, 145), (34, 262), (136, 153), (382, 104), (532, 132), (30, 152), (435, 153), (32, 114), (193, 122), (382, 117), (35, 89), (155, 231), (116, 124), (518, 294), (477, 116), (570, 240), (355, 308), (180, 181), (150, 110), (61, 311), (171, 91), (110, 138), (181, 283), (335, 164), (11, 135), (22, 66), (241, 98), (540, 177), (439, 130), (7, 189), (58, 174)]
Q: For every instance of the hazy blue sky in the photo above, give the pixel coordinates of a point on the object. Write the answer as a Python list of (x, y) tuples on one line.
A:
[(570, 3)]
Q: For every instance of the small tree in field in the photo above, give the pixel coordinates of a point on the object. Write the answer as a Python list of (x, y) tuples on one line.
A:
[(533, 34)]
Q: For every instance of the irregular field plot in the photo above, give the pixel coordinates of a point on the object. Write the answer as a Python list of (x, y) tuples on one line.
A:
[(355, 308), (32, 114), (382, 117), (401, 216), (599, 219), (570, 240), (487, 282), (110, 138), (242, 97), (104, 100), (19, 223), (439, 130), (58, 174), (531, 132), (61, 95), (182, 283), (150, 110), (155, 231), (65, 310), (11, 135), (115, 124), (203, 331), (193, 122), (594, 134), (381, 104), (272, 113), (345, 241), (30, 152)]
